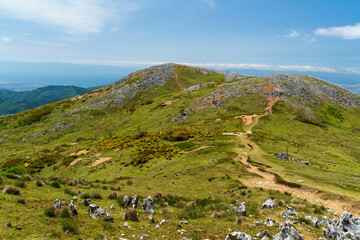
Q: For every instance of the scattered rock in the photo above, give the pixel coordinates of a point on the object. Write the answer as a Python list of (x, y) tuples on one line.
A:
[(151, 219), (347, 227), (98, 212), (134, 201), (238, 236), (263, 233), (127, 201), (288, 232), (57, 204), (269, 204), (241, 209), (112, 207), (148, 205), (8, 224), (127, 225), (162, 222), (289, 213), (269, 222)]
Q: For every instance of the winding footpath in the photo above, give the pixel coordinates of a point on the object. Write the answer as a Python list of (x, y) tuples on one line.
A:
[(266, 180)]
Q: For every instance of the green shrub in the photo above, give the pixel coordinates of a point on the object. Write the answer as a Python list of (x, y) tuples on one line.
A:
[(26, 178), (11, 190), (304, 220), (65, 212), (69, 225), (21, 184), (96, 196), (13, 176), (71, 192), (51, 212), (113, 195), (85, 196), (21, 201), (55, 184), (15, 170), (39, 183), (131, 215)]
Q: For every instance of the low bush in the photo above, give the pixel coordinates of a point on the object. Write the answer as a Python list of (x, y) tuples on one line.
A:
[(13, 176), (71, 192), (131, 215), (26, 178), (39, 183), (65, 213), (21, 201), (113, 195), (21, 184), (11, 190), (96, 196), (85, 196), (70, 226), (51, 212), (55, 184)]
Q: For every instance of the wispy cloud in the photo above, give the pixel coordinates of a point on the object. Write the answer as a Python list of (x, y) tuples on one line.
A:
[(6, 39), (293, 34), (346, 32), (210, 3), (78, 17), (261, 67)]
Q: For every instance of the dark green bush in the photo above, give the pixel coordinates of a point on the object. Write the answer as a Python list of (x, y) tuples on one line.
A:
[(55, 184), (39, 183), (131, 215), (21, 184), (11, 190), (21, 201), (69, 225), (51, 212), (96, 196)]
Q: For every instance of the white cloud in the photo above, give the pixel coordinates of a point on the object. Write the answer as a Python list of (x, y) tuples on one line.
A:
[(346, 32), (210, 3), (293, 34), (352, 70), (72, 16), (6, 39), (262, 67)]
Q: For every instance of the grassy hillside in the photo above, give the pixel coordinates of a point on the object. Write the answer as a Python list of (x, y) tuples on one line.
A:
[(13, 102), (204, 139)]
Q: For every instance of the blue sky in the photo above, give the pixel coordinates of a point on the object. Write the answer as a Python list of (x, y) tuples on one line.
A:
[(321, 36)]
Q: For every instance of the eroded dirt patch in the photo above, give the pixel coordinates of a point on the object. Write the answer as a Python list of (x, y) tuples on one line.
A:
[(100, 160)]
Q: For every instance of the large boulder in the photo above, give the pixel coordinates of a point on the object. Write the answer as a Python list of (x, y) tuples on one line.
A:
[(269, 204), (289, 213), (127, 201), (98, 212), (134, 202), (347, 227), (148, 205), (288, 232), (238, 236)]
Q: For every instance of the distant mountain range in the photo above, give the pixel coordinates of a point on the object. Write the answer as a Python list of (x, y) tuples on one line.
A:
[(13, 101)]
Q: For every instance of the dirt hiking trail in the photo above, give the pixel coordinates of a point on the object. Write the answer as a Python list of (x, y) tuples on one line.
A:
[(267, 180)]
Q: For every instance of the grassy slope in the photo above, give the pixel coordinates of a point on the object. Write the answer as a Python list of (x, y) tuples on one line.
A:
[(194, 175)]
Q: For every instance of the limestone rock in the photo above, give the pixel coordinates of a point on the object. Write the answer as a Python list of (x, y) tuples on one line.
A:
[(148, 205), (238, 236)]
